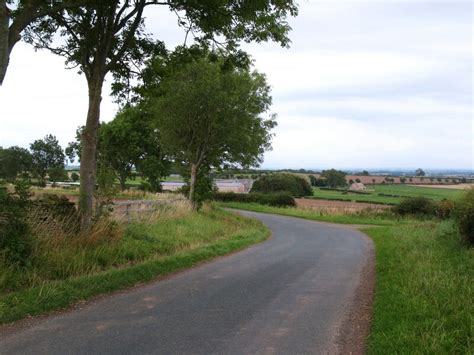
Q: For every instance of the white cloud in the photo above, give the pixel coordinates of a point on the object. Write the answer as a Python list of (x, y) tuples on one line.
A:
[(365, 83)]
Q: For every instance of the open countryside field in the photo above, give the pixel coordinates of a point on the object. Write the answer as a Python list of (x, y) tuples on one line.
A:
[(379, 194)]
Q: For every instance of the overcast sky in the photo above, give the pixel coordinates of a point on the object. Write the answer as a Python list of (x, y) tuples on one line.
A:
[(375, 84)]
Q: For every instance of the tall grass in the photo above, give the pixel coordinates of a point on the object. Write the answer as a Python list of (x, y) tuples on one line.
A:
[(60, 256), (424, 300)]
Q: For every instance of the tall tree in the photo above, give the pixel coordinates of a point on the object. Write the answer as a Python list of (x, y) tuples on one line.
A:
[(14, 161), (209, 115), (108, 37), (48, 157), (131, 141), (16, 16), (334, 178)]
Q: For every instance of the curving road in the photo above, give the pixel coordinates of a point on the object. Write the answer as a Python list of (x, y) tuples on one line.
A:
[(289, 295)]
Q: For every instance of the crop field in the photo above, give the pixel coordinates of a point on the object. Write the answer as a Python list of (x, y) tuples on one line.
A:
[(388, 194)]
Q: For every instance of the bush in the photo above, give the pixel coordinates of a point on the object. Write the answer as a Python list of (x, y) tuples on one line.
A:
[(278, 199), (417, 206), (464, 215), (59, 209), (15, 239), (289, 183), (444, 209)]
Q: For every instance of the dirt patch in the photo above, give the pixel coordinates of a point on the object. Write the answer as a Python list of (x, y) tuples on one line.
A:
[(343, 205)]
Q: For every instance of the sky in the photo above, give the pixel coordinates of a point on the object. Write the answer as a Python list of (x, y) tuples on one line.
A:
[(373, 84)]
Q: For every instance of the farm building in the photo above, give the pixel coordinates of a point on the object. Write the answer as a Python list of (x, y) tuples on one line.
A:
[(172, 185), (222, 186), (357, 186)]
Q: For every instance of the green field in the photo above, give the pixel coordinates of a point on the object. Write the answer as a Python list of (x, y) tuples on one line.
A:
[(399, 191)]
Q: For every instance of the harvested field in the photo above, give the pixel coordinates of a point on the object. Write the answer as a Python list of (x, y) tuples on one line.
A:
[(452, 187), (337, 205)]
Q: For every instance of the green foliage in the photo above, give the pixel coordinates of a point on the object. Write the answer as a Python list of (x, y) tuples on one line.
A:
[(290, 183), (131, 140), (13, 162), (281, 199), (416, 206), (208, 114), (334, 178), (75, 177), (464, 215), (48, 156), (15, 241)]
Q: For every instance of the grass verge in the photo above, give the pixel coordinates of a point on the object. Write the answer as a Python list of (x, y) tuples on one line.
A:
[(146, 251), (424, 299)]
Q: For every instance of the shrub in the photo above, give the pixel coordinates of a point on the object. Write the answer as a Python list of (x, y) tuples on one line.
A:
[(15, 239), (444, 209), (56, 209), (417, 206), (278, 199), (464, 215), (293, 184)]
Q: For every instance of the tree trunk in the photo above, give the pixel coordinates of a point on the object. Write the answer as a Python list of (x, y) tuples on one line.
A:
[(123, 182), (88, 153), (192, 185), (4, 51)]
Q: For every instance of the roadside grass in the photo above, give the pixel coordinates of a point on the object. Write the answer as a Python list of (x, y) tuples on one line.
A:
[(369, 217), (398, 191), (424, 299), (64, 272)]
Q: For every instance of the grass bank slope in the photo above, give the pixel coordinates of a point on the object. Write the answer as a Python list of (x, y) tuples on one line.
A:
[(63, 272)]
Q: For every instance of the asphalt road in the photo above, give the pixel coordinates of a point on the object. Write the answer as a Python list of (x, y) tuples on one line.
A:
[(288, 295)]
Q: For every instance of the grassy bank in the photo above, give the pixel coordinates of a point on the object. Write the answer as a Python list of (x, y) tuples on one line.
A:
[(63, 272), (424, 301)]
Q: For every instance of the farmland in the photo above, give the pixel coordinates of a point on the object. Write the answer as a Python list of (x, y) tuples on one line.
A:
[(387, 194)]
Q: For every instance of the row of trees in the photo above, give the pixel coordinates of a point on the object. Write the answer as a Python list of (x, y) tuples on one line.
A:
[(194, 111), (109, 37), (45, 158)]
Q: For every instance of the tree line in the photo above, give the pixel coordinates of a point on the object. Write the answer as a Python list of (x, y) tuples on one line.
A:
[(109, 37)]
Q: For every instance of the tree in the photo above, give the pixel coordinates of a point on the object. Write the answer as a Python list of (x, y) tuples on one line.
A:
[(47, 155), (108, 37), (14, 161), (209, 115), (129, 141), (16, 16), (334, 178), (295, 185), (420, 172)]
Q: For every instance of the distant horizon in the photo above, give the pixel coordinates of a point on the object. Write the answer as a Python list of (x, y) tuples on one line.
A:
[(356, 169)]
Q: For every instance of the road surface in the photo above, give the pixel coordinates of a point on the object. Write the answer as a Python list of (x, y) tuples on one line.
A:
[(289, 295)]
